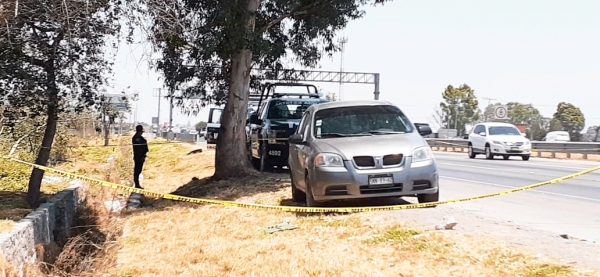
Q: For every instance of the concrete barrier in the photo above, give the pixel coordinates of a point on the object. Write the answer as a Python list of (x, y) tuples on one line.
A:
[(53, 219)]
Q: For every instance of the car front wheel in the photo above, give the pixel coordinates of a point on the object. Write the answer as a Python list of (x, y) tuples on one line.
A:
[(310, 200), (488, 153), (471, 152), (525, 157), (297, 195), (429, 198)]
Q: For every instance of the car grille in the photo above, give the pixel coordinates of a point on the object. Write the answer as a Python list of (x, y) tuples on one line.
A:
[(364, 161), (384, 189), (369, 161), (518, 143)]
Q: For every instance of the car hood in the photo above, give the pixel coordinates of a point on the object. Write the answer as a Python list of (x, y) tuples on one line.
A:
[(509, 138), (375, 145)]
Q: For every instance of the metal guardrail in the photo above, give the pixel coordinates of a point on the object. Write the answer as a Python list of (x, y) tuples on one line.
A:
[(538, 146)]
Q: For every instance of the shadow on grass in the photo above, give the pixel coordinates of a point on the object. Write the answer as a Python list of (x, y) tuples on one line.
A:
[(13, 204), (226, 189)]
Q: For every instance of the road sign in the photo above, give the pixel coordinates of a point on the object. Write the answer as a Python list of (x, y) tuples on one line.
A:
[(500, 112)]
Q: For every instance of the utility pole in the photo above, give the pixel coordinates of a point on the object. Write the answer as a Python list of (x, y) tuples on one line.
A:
[(171, 114), (135, 98), (489, 102), (157, 93), (342, 42)]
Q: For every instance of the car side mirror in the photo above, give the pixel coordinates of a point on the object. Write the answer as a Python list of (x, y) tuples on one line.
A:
[(524, 134), (255, 120), (482, 134), (424, 130), (296, 139)]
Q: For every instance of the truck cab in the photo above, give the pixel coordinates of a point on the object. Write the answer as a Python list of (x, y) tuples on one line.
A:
[(276, 119), (213, 125)]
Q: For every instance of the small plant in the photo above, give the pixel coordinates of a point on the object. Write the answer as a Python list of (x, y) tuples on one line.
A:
[(394, 234)]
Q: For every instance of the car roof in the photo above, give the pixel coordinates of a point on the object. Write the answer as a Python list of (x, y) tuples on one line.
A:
[(487, 124), (349, 103)]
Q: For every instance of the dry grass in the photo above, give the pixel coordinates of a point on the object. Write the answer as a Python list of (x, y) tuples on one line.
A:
[(170, 238)]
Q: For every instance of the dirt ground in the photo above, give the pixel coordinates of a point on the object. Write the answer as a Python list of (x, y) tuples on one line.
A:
[(583, 254)]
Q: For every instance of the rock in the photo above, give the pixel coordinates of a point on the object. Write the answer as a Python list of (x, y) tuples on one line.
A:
[(76, 182), (114, 205), (53, 179), (448, 223)]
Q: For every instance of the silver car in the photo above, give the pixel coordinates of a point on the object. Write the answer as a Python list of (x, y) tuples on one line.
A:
[(360, 149)]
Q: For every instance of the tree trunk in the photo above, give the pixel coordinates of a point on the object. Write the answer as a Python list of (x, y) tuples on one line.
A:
[(106, 129), (231, 157), (35, 180)]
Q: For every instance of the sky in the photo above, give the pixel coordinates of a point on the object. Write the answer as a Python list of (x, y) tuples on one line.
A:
[(532, 52)]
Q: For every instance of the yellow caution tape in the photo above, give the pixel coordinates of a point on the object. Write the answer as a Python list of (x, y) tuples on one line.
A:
[(294, 208)]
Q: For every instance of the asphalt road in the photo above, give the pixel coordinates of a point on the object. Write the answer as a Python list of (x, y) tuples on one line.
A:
[(569, 207)]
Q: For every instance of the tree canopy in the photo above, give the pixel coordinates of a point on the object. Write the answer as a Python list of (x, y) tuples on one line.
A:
[(209, 48), (571, 119), (460, 107)]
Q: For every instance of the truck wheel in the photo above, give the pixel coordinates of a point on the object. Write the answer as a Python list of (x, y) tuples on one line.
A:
[(264, 160)]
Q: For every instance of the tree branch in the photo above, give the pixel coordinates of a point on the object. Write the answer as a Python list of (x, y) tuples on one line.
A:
[(302, 11), (14, 147)]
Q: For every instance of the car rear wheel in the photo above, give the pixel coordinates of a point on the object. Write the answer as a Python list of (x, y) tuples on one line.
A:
[(488, 153), (429, 198), (525, 157), (297, 195), (471, 152)]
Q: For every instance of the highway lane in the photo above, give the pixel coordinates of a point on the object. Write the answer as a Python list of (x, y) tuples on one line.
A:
[(569, 207), (517, 173)]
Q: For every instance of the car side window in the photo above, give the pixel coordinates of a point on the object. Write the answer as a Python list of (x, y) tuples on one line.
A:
[(479, 129), (304, 123)]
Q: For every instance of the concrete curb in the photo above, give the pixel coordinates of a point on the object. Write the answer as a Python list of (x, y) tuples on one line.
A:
[(52, 219)]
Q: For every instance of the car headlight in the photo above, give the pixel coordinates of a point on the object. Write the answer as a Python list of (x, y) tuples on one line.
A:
[(328, 160), (496, 142), (527, 143), (421, 154)]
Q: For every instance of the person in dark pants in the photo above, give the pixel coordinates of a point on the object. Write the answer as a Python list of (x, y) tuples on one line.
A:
[(140, 148)]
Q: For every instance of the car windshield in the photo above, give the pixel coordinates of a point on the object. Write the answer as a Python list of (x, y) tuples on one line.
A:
[(361, 121), (504, 130), (288, 109)]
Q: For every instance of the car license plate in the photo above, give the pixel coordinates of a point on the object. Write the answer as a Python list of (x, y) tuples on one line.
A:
[(381, 180), (514, 148)]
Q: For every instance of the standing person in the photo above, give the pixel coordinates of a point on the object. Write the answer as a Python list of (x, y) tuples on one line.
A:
[(140, 148)]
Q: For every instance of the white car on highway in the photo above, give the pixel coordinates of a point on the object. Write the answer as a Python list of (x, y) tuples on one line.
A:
[(498, 139)]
